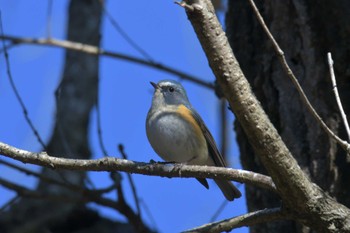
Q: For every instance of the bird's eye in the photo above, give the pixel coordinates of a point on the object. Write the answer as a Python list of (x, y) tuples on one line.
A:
[(171, 89)]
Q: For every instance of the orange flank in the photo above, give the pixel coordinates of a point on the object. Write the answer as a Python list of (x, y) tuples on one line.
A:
[(187, 115)]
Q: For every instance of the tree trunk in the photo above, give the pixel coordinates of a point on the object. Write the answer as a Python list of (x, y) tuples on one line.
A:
[(75, 98), (306, 31), (76, 94)]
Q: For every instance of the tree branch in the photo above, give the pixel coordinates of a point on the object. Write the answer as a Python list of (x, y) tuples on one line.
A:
[(336, 94), (263, 136), (85, 196), (290, 74), (123, 33), (253, 218), (46, 179), (298, 193), (14, 88), (90, 49), (153, 169), (25, 192), (131, 181)]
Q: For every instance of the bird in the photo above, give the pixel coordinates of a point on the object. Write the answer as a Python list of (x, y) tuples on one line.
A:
[(178, 134)]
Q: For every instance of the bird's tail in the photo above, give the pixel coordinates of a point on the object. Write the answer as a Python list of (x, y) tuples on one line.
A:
[(228, 189)]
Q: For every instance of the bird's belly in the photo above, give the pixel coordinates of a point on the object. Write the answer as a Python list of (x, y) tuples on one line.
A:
[(175, 139)]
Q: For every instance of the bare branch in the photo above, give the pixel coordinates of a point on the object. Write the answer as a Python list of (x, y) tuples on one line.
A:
[(86, 196), (223, 128), (49, 19), (218, 211), (253, 218), (123, 33), (24, 192), (336, 94), (296, 190), (153, 169), (54, 181), (98, 121), (9, 203), (90, 49), (14, 88), (131, 181), (263, 136), (290, 74), (149, 214)]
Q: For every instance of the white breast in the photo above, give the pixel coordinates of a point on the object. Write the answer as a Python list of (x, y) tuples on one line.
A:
[(174, 139)]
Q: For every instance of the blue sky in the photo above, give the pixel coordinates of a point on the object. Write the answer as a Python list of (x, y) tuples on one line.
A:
[(161, 28)]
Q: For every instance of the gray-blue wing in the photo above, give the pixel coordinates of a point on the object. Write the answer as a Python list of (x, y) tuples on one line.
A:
[(227, 188), (213, 150)]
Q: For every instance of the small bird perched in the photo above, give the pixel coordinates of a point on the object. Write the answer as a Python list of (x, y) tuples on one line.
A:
[(178, 134)]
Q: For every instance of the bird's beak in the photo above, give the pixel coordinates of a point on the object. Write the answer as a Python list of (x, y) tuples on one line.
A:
[(154, 85)]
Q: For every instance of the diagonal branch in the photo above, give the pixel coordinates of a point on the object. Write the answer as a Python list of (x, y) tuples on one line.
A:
[(296, 190), (123, 33), (153, 169), (263, 136), (85, 196), (90, 49), (131, 181), (14, 88), (46, 179), (288, 70), (253, 218), (25, 192), (336, 94)]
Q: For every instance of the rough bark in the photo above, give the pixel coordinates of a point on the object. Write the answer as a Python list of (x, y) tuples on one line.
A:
[(306, 31)]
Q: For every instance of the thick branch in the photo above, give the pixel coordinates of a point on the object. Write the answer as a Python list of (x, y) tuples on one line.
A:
[(290, 181), (153, 169), (253, 218), (297, 191)]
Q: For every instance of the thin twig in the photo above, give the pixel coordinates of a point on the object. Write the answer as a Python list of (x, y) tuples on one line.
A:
[(25, 192), (90, 49), (115, 176), (66, 146), (336, 94), (9, 203), (149, 214), (9, 46), (123, 33), (86, 196), (223, 128), (153, 169), (221, 208), (249, 219), (49, 19), (98, 119), (46, 179), (131, 181), (133, 218), (219, 211), (14, 88), (290, 74)]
